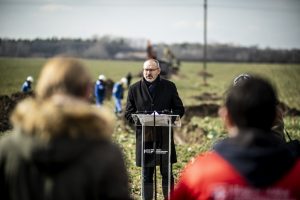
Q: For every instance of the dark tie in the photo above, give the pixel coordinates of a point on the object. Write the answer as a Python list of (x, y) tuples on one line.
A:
[(151, 89)]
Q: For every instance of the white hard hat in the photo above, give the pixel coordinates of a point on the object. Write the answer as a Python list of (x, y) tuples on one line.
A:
[(123, 80), (29, 78), (102, 77)]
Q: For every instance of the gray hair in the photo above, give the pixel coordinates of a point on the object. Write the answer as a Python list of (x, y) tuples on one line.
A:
[(153, 60)]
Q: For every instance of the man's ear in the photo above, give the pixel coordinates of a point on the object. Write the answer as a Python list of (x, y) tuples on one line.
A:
[(226, 118)]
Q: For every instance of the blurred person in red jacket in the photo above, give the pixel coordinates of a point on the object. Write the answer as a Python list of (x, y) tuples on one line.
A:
[(252, 163)]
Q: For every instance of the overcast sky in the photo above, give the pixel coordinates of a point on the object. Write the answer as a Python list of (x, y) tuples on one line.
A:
[(264, 23)]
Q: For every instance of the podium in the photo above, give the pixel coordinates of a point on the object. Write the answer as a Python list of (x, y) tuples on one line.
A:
[(156, 120)]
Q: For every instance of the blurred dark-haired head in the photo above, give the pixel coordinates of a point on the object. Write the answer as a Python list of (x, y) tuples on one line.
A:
[(252, 103), (240, 78)]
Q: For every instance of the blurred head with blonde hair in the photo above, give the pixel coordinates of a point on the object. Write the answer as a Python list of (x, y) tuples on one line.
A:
[(61, 106), (63, 75)]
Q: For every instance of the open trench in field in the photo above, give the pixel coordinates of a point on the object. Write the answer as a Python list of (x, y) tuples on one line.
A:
[(8, 103)]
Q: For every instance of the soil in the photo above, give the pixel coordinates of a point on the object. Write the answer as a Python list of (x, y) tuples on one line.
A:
[(8, 103), (208, 97), (205, 74), (201, 110), (287, 111)]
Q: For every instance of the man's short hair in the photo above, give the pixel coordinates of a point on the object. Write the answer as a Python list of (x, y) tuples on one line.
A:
[(252, 103), (152, 60)]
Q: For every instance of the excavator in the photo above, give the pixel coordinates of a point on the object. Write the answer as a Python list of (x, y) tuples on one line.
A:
[(169, 64)]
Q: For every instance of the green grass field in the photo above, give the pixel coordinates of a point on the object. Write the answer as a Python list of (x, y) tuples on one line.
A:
[(285, 77)]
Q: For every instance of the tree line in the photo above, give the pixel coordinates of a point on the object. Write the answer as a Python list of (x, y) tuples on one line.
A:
[(128, 49)]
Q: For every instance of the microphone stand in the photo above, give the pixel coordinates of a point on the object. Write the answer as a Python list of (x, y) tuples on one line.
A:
[(154, 132)]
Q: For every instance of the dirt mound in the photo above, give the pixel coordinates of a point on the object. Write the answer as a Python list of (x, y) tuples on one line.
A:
[(189, 134), (287, 111), (205, 74), (7, 104), (201, 110), (192, 133), (109, 86), (211, 110), (208, 97)]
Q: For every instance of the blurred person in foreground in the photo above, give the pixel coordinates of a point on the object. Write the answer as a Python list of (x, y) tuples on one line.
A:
[(278, 125), (253, 163), (99, 90), (153, 93), (26, 86), (60, 147), (278, 128)]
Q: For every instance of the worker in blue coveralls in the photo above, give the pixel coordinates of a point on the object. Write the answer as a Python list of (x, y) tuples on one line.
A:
[(26, 87), (117, 93), (99, 90)]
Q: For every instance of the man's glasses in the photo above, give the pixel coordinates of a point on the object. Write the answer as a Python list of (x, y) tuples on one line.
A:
[(150, 70)]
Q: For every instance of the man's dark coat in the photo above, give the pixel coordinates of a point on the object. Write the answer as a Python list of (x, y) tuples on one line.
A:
[(165, 98)]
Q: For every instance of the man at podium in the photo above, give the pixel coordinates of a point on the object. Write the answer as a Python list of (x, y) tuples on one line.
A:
[(153, 93)]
